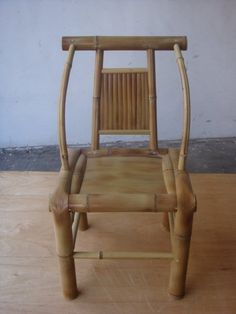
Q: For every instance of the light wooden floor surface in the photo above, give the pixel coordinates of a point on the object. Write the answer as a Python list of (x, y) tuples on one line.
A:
[(29, 281)]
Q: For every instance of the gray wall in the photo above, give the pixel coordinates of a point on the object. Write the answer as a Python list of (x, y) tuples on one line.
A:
[(31, 63)]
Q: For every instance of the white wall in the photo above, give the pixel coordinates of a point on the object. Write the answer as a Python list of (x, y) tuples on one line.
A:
[(31, 63)]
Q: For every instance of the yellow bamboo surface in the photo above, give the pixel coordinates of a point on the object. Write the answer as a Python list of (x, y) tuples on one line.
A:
[(123, 175), (28, 268), (124, 100), (124, 42)]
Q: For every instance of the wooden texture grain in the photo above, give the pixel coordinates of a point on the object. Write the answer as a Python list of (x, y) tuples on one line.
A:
[(29, 282), (123, 175)]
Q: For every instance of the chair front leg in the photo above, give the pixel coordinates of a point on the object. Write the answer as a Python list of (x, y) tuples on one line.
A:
[(181, 244), (186, 205), (64, 248)]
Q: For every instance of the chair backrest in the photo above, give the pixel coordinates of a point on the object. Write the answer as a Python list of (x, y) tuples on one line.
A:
[(124, 99)]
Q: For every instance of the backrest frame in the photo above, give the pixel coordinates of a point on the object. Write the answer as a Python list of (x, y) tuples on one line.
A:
[(148, 43)]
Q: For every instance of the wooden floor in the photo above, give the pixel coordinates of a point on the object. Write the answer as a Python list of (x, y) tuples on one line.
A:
[(29, 281)]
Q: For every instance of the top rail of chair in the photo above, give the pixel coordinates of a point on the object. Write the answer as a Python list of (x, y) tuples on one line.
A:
[(124, 42)]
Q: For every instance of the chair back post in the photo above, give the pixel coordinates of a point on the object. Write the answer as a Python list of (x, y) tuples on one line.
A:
[(152, 98), (96, 98), (186, 108), (61, 111)]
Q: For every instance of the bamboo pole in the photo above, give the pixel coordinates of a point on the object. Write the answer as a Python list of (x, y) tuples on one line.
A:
[(142, 101), (61, 111), (124, 42), (146, 101), (152, 98), (186, 205), (104, 102), (129, 100), (110, 101), (115, 101), (96, 98), (75, 226), (119, 100), (171, 221), (133, 101), (186, 104), (169, 179), (76, 182), (122, 255), (139, 89), (122, 202), (62, 227), (124, 102)]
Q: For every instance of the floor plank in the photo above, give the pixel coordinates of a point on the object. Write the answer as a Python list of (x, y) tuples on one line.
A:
[(29, 281)]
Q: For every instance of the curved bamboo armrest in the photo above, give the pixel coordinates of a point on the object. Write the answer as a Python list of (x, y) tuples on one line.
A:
[(186, 104), (61, 111), (178, 182)]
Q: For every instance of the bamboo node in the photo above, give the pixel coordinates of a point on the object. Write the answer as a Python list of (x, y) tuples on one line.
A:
[(152, 97), (182, 237), (100, 254), (96, 42), (65, 256)]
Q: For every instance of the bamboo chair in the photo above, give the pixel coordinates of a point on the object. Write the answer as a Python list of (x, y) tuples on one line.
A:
[(124, 102)]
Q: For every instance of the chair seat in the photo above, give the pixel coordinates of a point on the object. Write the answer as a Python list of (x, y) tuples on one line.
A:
[(122, 174)]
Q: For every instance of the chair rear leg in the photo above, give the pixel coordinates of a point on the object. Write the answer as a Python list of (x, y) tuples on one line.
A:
[(181, 244), (165, 222), (64, 247), (83, 223)]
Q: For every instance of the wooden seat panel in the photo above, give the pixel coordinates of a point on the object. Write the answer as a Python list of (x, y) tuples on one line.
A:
[(123, 175)]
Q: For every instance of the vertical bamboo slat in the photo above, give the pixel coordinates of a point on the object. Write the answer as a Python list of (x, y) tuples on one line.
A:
[(129, 101), (96, 99), (186, 105), (110, 101), (143, 102), (146, 102), (134, 101), (124, 100), (115, 100), (152, 98), (119, 99), (139, 101), (61, 112)]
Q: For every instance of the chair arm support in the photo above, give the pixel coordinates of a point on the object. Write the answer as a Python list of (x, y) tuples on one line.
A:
[(58, 202), (186, 200)]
